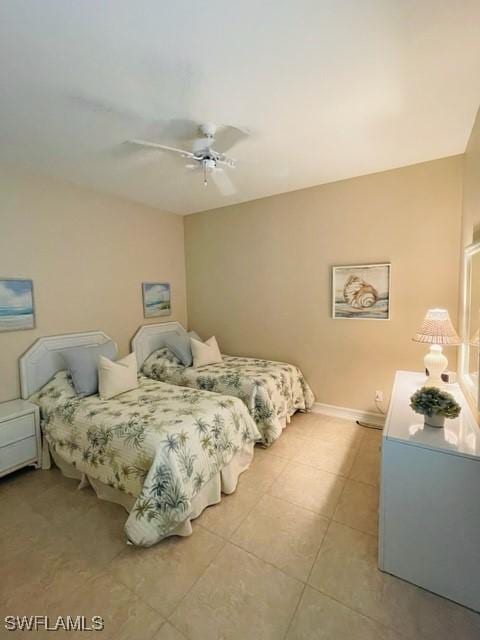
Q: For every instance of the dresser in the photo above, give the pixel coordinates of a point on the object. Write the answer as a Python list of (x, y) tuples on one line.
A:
[(430, 497), (20, 436)]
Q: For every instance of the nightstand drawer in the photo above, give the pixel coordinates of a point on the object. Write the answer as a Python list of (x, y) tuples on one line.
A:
[(17, 429), (18, 453)]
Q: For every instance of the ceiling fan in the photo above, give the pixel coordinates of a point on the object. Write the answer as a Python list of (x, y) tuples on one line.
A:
[(211, 161)]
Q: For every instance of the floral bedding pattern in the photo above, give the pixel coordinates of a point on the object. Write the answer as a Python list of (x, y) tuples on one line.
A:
[(159, 443), (270, 390)]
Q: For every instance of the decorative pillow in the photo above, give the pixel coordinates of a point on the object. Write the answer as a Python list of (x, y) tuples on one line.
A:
[(82, 364), (162, 364), (205, 352), (194, 334), (60, 387), (117, 377), (180, 346), (164, 357)]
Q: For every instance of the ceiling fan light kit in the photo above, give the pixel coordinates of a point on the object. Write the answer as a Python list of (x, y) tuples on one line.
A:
[(203, 155), (209, 165)]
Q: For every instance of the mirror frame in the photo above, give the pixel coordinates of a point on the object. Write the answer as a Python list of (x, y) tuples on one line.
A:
[(471, 393)]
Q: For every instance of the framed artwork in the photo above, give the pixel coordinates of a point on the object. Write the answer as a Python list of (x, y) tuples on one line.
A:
[(361, 292), (156, 299), (16, 304)]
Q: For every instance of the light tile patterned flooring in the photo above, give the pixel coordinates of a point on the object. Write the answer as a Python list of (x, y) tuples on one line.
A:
[(290, 555)]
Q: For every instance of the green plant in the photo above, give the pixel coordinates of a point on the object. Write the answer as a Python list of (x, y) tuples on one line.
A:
[(430, 401)]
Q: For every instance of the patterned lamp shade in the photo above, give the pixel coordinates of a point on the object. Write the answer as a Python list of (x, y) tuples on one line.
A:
[(437, 328)]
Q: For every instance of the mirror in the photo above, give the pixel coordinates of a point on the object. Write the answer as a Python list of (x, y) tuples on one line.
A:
[(470, 350)]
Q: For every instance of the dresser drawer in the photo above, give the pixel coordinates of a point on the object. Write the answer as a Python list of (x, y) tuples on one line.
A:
[(17, 429), (18, 453)]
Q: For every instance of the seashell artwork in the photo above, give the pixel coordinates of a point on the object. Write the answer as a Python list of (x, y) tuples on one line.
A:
[(361, 291), (359, 294)]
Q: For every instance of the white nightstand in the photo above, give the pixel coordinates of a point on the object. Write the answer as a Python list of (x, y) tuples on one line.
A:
[(20, 436)]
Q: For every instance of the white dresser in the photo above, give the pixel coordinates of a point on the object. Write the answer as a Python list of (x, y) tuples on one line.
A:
[(20, 436), (430, 497)]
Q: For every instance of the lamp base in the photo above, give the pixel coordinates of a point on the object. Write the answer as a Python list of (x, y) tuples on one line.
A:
[(436, 363)]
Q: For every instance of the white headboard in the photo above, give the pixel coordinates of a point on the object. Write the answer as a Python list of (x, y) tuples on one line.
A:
[(151, 337), (43, 359)]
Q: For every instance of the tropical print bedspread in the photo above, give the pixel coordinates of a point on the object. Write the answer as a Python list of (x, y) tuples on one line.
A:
[(270, 390), (159, 443)]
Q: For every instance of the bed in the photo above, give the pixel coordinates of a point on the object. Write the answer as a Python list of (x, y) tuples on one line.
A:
[(272, 391), (162, 451)]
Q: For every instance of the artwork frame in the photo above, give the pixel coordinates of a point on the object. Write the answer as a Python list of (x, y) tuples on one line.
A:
[(157, 299), (361, 291), (17, 304)]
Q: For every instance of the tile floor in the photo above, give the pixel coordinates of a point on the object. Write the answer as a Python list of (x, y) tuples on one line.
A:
[(291, 555)]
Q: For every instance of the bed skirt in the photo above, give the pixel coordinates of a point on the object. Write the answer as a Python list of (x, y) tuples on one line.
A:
[(225, 481)]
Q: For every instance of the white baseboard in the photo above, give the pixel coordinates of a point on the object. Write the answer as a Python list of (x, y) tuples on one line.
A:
[(345, 413)]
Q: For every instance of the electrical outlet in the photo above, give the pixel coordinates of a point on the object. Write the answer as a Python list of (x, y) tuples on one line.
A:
[(378, 396)]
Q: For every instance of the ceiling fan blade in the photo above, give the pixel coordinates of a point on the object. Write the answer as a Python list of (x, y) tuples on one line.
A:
[(227, 137), (223, 182), (162, 147)]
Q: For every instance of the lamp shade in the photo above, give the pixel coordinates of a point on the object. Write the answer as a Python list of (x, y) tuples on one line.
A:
[(437, 328)]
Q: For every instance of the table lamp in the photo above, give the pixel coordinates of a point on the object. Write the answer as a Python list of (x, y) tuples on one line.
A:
[(436, 330)]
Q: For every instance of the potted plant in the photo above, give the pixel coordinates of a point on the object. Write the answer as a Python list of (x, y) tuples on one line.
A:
[(435, 405)]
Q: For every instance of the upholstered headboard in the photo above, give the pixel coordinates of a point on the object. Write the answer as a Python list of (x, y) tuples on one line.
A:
[(43, 359), (151, 337)]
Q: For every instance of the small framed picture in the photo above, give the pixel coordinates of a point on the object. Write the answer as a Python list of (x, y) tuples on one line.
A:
[(361, 292), (16, 304), (156, 299)]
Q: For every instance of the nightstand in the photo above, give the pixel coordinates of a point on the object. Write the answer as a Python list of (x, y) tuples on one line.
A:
[(20, 436)]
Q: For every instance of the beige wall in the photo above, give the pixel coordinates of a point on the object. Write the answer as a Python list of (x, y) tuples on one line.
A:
[(87, 255), (259, 274)]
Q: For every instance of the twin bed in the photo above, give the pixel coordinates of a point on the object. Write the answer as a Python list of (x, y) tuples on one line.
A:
[(272, 391), (164, 451)]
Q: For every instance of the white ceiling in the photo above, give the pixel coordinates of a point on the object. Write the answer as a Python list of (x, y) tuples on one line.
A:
[(329, 89)]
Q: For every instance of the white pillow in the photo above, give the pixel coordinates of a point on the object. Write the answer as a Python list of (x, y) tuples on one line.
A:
[(205, 352), (117, 377)]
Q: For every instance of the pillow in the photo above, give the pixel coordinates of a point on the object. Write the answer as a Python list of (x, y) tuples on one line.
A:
[(194, 334), (82, 364), (180, 346), (118, 377), (164, 356), (57, 389), (205, 352), (162, 365)]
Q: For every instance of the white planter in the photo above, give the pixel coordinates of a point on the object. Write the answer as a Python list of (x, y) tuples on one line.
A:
[(436, 420)]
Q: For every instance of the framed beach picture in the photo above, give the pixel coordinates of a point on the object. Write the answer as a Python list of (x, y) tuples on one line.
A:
[(361, 292), (156, 299), (16, 304)]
